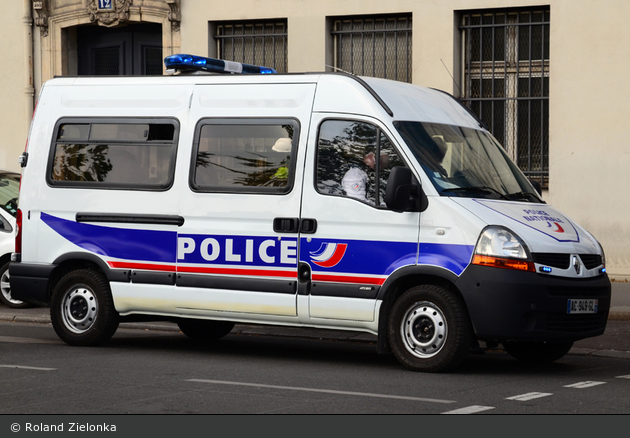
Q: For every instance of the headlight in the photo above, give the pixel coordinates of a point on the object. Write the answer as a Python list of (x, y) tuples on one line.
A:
[(501, 248), (499, 242)]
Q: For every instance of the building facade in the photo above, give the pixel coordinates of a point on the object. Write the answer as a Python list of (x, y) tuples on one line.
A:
[(545, 77)]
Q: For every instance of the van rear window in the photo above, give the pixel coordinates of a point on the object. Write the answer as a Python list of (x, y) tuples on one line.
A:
[(245, 156), (129, 154)]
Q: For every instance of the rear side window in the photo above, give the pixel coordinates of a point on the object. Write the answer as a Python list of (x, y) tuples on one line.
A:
[(116, 153), (245, 156)]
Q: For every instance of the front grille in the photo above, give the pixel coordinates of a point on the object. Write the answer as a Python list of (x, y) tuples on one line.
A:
[(558, 322), (591, 261), (554, 260), (563, 261)]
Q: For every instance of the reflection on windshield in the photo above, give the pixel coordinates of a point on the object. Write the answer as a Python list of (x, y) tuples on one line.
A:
[(466, 162)]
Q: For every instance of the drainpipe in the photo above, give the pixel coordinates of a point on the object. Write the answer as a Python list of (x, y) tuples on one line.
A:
[(28, 55)]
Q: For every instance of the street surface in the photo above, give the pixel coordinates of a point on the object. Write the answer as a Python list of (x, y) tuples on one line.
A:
[(154, 371)]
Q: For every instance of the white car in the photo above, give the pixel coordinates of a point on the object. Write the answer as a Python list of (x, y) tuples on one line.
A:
[(9, 189)]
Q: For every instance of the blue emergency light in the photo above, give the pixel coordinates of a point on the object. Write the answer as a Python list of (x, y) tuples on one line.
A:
[(188, 63)]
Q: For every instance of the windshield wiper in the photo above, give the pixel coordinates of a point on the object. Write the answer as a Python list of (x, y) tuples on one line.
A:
[(524, 195), (477, 189)]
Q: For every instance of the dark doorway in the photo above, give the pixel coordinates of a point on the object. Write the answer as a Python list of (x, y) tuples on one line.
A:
[(134, 49)]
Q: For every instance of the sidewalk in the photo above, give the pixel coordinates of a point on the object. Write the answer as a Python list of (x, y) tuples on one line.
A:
[(615, 342)]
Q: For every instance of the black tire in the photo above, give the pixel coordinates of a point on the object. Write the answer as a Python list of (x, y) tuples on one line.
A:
[(205, 330), (5, 290), (82, 308), (429, 329), (537, 352)]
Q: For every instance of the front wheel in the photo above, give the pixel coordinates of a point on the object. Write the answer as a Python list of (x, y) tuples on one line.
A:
[(82, 309), (537, 352), (5, 288), (429, 329)]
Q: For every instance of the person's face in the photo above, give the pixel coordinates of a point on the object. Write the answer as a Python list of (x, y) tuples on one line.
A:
[(369, 160)]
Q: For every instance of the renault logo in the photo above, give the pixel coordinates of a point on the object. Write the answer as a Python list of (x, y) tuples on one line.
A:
[(576, 264)]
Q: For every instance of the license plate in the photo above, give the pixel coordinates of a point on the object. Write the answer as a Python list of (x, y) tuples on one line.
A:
[(582, 306)]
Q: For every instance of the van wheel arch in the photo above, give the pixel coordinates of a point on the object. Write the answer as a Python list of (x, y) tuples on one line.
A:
[(68, 264), (393, 291)]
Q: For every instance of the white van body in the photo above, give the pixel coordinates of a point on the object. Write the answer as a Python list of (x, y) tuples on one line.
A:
[(284, 251)]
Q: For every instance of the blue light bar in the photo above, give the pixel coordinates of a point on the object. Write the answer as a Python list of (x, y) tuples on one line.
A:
[(187, 63)]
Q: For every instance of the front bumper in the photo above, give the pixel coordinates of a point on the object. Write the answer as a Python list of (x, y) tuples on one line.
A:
[(506, 304)]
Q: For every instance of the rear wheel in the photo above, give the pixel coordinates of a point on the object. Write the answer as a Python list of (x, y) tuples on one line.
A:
[(205, 330), (82, 308), (429, 329), (5, 289), (537, 352)]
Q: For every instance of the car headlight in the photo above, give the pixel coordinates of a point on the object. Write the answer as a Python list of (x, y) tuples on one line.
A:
[(500, 248)]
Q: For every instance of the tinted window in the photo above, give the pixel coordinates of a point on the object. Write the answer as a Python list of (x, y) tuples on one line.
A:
[(245, 156), (130, 154), (346, 163)]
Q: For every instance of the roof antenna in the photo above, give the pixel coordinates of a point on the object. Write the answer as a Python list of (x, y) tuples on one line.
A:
[(449, 73), (338, 69)]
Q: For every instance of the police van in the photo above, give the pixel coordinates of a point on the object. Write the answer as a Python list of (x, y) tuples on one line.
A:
[(306, 200)]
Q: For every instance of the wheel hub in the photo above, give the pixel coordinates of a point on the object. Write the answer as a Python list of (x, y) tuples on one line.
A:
[(79, 310), (424, 330)]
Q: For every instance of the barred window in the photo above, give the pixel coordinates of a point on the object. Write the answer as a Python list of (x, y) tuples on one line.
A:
[(506, 81), (378, 46), (261, 43)]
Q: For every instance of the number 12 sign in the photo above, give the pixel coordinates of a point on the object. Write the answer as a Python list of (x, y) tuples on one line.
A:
[(105, 4)]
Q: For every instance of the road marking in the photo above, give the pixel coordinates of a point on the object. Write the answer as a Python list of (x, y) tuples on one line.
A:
[(581, 385), (470, 410), (529, 396), (326, 391), (624, 377), (27, 368), (17, 340)]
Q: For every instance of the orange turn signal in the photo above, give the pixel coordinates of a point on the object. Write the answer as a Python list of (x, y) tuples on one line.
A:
[(498, 262)]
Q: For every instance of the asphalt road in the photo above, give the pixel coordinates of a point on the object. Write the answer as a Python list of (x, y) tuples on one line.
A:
[(163, 372)]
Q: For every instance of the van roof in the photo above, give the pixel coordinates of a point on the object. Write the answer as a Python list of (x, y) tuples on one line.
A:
[(336, 92)]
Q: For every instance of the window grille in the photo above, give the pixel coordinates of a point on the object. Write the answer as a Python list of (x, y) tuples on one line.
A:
[(257, 43), (506, 81), (374, 46)]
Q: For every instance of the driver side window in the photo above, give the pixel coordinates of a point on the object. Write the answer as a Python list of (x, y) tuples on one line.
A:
[(347, 164)]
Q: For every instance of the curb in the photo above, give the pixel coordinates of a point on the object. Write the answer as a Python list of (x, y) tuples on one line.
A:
[(619, 315)]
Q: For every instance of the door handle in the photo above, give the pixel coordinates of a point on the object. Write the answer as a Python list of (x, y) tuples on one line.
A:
[(308, 226), (293, 225), (286, 225)]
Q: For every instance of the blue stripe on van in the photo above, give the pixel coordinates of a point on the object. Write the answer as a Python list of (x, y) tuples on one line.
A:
[(381, 258), (455, 258), (326, 256), (120, 243)]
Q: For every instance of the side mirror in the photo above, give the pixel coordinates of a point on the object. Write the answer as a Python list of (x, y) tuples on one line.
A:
[(536, 185), (402, 194)]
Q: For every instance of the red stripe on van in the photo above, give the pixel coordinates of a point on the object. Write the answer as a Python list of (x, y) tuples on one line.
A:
[(142, 266), (348, 279), (237, 271)]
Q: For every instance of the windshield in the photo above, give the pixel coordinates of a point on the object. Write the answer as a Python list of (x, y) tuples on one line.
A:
[(466, 162), (9, 189)]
